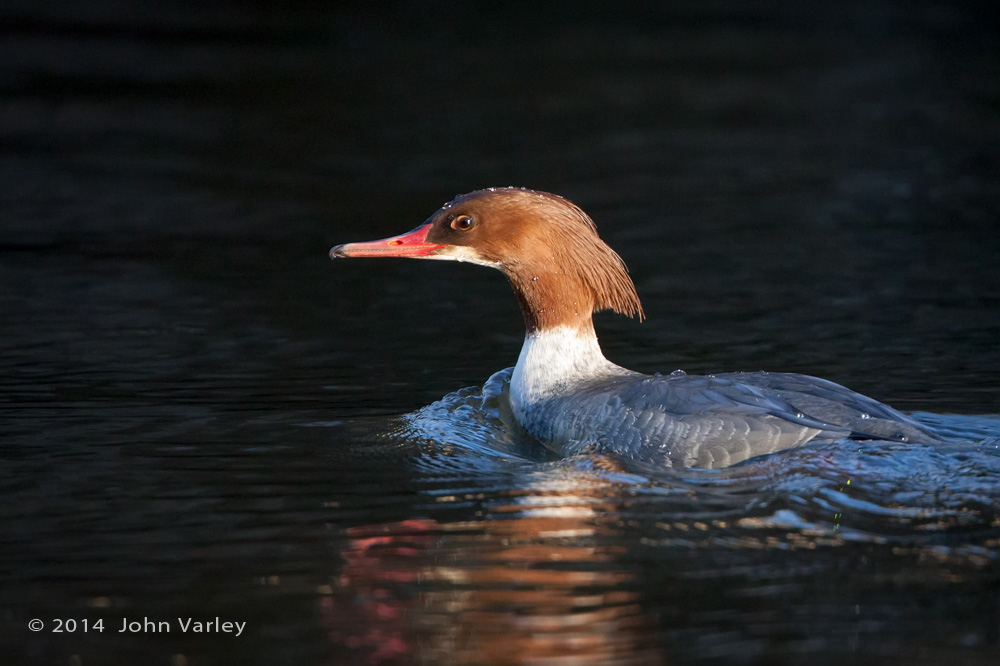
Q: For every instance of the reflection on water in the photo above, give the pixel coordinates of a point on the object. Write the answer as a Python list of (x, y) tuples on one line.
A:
[(532, 582), (584, 559)]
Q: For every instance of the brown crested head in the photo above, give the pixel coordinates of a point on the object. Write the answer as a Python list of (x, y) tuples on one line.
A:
[(549, 249)]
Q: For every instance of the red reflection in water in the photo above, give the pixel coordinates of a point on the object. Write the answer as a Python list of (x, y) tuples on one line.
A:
[(532, 583)]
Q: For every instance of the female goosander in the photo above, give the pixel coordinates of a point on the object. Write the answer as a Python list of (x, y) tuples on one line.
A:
[(565, 393)]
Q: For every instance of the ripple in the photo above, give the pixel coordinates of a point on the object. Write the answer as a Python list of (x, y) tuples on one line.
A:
[(875, 491)]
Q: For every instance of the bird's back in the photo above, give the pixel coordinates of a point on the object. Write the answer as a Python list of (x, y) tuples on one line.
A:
[(714, 420)]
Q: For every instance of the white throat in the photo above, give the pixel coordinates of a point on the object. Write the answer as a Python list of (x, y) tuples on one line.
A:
[(553, 361)]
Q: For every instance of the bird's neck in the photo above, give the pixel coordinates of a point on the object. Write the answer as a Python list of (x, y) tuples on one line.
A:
[(555, 361), (551, 300)]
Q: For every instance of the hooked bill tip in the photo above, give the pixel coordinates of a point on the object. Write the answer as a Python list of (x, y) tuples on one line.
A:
[(337, 252)]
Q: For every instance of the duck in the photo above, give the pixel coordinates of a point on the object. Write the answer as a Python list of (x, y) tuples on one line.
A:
[(573, 400)]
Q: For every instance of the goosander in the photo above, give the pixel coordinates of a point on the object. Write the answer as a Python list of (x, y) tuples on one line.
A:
[(565, 393)]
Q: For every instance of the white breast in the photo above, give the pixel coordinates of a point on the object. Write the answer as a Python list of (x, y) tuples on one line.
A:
[(552, 363)]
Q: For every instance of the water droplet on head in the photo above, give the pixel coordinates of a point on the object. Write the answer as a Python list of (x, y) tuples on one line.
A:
[(866, 416), (534, 279), (678, 373)]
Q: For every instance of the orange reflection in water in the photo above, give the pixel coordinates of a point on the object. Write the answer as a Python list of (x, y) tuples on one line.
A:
[(535, 581)]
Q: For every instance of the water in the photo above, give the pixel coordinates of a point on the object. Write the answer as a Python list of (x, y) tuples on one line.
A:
[(200, 416)]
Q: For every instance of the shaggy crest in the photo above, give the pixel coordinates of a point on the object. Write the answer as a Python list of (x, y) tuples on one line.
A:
[(549, 249)]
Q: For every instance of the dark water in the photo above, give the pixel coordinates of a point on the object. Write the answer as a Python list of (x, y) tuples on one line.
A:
[(200, 415)]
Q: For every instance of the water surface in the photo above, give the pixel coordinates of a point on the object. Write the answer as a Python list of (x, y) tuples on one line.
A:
[(200, 416)]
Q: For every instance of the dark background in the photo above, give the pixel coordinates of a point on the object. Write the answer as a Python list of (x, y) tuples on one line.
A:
[(777, 176)]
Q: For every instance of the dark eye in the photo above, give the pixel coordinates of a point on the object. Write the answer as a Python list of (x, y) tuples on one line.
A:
[(463, 223)]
